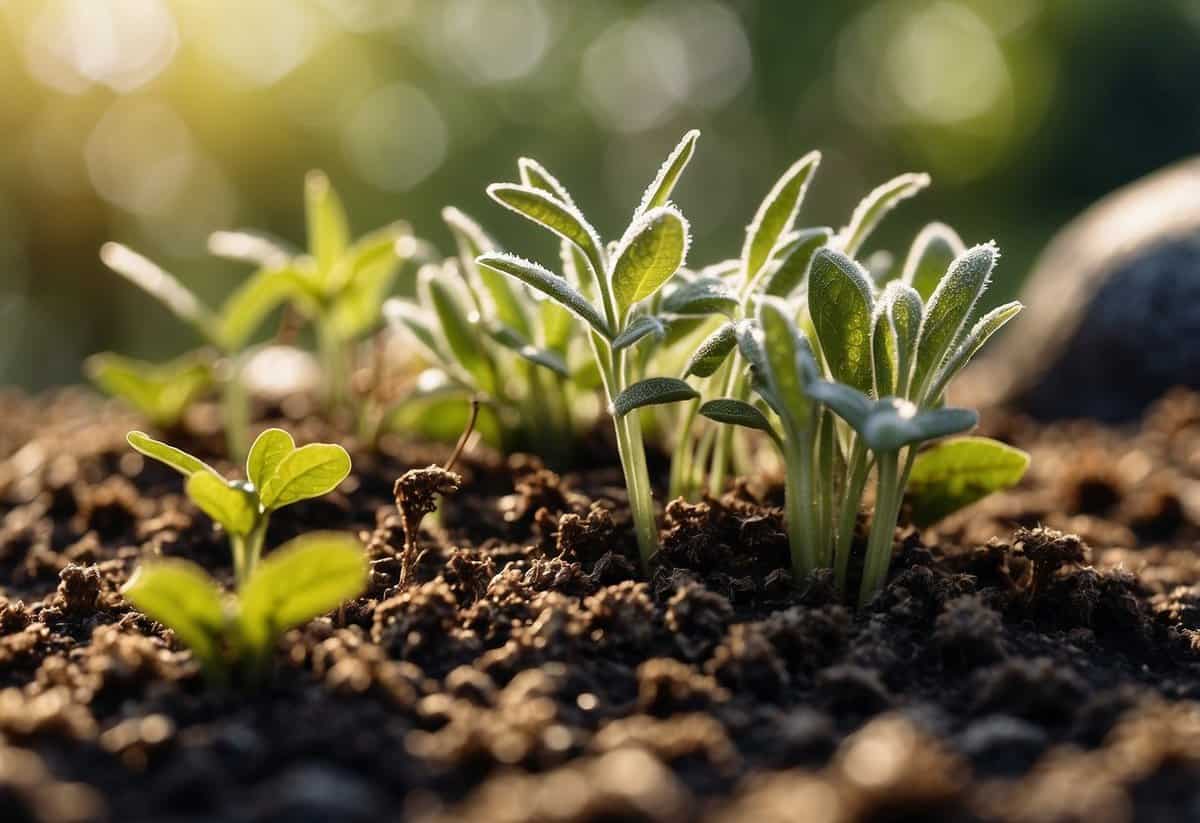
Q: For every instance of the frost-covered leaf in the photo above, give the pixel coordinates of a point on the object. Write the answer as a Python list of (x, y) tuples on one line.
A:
[(793, 261), (840, 304), (638, 328), (950, 307), (737, 413), (700, 297), (652, 392), (547, 283), (777, 213), (653, 249), (535, 175), (551, 213), (788, 362), (956, 473), (659, 191), (712, 352), (988, 325), (875, 206)]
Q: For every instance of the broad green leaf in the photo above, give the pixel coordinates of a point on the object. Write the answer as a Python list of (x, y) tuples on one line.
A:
[(794, 260), (988, 325), (950, 307), (160, 285), (840, 304), (268, 450), (251, 246), (418, 326), (847, 403), (561, 218), (300, 580), (535, 175), (733, 412), (652, 250), (309, 471), (932, 252), (652, 392), (180, 595), (231, 504), (460, 335), (503, 304), (711, 353), (328, 229), (638, 328), (512, 341), (245, 309), (700, 297), (177, 459), (777, 213), (160, 392), (549, 284), (895, 423), (784, 348), (659, 191), (955, 473), (875, 206)]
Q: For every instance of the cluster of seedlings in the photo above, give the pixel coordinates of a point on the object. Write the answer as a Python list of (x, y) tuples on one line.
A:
[(794, 344)]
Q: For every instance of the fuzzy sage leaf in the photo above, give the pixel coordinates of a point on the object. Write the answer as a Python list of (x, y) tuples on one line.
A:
[(549, 284), (652, 392), (653, 249), (840, 303)]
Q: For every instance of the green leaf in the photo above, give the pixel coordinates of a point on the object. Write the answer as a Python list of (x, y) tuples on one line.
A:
[(905, 311), (794, 260), (537, 176), (300, 580), (328, 229), (652, 392), (840, 304), (883, 348), (895, 423), (549, 284), (561, 218), (418, 326), (512, 341), (950, 307), (988, 325), (160, 285), (875, 206), (956, 473), (245, 309), (231, 504), (847, 403), (638, 328), (652, 250), (460, 335), (711, 353), (700, 297), (268, 449), (251, 246), (160, 392), (932, 252), (786, 372), (309, 471), (737, 413), (503, 304), (777, 213), (177, 459), (180, 595), (659, 191), (557, 324)]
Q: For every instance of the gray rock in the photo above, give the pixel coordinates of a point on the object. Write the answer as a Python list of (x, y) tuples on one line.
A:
[(1112, 317)]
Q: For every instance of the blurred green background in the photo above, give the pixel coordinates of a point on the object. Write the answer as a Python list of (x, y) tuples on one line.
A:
[(154, 122)]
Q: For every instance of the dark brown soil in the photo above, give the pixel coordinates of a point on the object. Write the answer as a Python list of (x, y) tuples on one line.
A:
[(1036, 658)]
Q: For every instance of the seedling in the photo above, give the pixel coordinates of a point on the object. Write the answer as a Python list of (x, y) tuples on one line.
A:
[(162, 392), (838, 343), (339, 284), (485, 335), (302, 579), (607, 291), (278, 474)]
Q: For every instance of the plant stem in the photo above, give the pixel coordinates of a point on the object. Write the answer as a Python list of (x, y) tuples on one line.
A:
[(798, 505), (247, 548), (235, 409), (735, 387), (681, 459), (883, 527), (333, 365), (856, 478)]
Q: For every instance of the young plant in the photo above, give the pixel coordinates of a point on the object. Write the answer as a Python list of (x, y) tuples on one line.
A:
[(278, 474), (302, 579), (608, 290), (484, 334), (162, 392)]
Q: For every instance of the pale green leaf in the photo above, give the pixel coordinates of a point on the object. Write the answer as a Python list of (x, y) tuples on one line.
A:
[(905, 311), (512, 341), (328, 229), (418, 325), (653, 249), (883, 348), (551, 213), (251, 246), (268, 449), (875, 206), (177, 459), (549, 284), (777, 213), (932, 252), (181, 596), (162, 392), (653, 391), (956, 473), (841, 304), (231, 504), (537, 176), (160, 285), (988, 325), (244, 310), (658, 193), (460, 335), (300, 580), (309, 471)]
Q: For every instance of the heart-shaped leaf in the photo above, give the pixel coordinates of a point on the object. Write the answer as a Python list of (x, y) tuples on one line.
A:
[(309, 471), (658, 193), (549, 284), (712, 352), (875, 206), (652, 392), (653, 249), (300, 580), (268, 449), (180, 595), (232, 505), (177, 459), (840, 304), (955, 473), (777, 213), (932, 252)]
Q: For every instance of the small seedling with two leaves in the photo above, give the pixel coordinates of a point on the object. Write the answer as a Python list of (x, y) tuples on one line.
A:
[(491, 342), (306, 577), (607, 288)]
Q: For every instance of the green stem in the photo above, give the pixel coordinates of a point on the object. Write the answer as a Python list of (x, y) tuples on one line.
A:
[(798, 506), (735, 387), (883, 527), (247, 548), (235, 409), (681, 459), (333, 364), (856, 479)]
